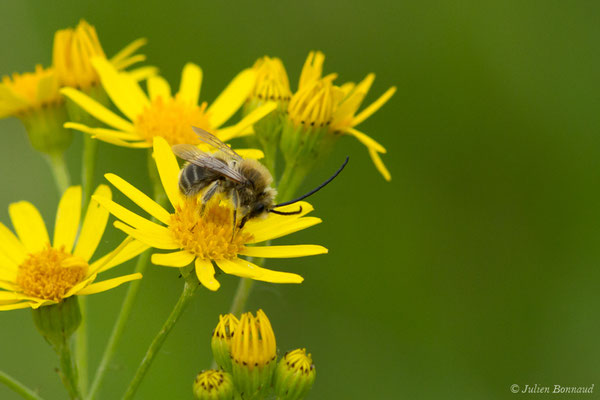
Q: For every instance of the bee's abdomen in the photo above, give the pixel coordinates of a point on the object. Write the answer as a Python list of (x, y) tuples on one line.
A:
[(193, 179)]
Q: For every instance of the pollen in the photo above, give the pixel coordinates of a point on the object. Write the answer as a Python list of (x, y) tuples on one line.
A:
[(172, 119), (207, 233), (50, 274), (314, 104)]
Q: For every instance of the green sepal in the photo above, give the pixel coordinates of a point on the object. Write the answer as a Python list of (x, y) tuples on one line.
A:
[(58, 322)]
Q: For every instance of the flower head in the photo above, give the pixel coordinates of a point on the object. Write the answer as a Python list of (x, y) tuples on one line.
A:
[(161, 114), (214, 385), (318, 103), (254, 354), (208, 236), (294, 376), (221, 340), (35, 272), (30, 90), (271, 81)]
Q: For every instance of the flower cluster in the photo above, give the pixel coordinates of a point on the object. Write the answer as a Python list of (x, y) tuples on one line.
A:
[(246, 352)]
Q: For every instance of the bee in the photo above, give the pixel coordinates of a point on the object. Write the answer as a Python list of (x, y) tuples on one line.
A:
[(245, 181)]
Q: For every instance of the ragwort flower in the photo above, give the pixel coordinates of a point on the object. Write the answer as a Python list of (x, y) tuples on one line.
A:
[(207, 237), (319, 105), (164, 115), (34, 272)]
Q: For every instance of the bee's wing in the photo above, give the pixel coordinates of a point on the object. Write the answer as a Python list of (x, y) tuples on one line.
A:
[(194, 155), (214, 141)]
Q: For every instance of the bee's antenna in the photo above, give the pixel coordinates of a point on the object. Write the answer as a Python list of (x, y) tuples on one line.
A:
[(287, 212), (315, 190)]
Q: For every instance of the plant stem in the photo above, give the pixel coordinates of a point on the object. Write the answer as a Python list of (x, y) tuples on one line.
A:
[(88, 167), (187, 294), (119, 326), (68, 370), (18, 387), (241, 296), (59, 170), (81, 346)]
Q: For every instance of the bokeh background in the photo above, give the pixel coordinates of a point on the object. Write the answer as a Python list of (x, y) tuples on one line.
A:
[(476, 268)]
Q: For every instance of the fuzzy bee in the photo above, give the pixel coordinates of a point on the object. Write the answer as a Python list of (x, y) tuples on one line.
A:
[(245, 181)]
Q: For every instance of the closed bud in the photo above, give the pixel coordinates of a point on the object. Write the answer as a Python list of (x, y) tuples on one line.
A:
[(254, 354), (57, 322), (294, 376), (221, 340), (214, 385)]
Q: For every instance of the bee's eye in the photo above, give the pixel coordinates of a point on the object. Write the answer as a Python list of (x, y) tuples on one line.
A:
[(259, 208)]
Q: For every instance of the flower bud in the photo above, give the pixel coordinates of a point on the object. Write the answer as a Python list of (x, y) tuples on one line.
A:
[(214, 385), (221, 340), (254, 354), (294, 376)]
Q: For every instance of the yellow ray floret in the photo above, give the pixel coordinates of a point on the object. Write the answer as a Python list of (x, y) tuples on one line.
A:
[(208, 237), (160, 114), (35, 272)]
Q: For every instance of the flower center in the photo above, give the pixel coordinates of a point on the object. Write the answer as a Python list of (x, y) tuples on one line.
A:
[(207, 234), (172, 120), (50, 273), (314, 104)]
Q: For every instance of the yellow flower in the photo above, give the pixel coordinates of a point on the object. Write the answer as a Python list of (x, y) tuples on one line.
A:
[(221, 340), (318, 102), (271, 81), (208, 236), (35, 273), (164, 115), (74, 50)]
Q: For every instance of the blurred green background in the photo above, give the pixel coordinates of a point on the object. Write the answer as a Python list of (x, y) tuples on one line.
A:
[(476, 268)]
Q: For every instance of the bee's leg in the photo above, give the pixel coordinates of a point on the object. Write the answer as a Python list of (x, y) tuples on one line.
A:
[(244, 220), (210, 192), (235, 200)]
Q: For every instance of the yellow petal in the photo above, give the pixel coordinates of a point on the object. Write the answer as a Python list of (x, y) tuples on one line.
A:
[(152, 239), (379, 165), (206, 274), (9, 286), (299, 250), (366, 140), (376, 105), (139, 198), (159, 87), (127, 51), (29, 225), (256, 115), (108, 284), (129, 61), (94, 224), (250, 153), (177, 259), (130, 217), (191, 81), (16, 306), (8, 265), (67, 219), (232, 98), (168, 169), (118, 142), (97, 110), (284, 229), (142, 73), (8, 274), (246, 269), (123, 254), (122, 89), (102, 131), (11, 246)]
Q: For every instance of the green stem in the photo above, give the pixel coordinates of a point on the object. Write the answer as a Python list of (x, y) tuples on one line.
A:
[(292, 178), (241, 296), (88, 167), (59, 170), (119, 326), (68, 370), (18, 387), (187, 294)]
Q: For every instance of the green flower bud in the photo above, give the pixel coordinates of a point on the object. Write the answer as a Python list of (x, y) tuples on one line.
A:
[(294, 376), (45, 128), (57, 322), (214, 385), (254, 354), (221, 340)]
